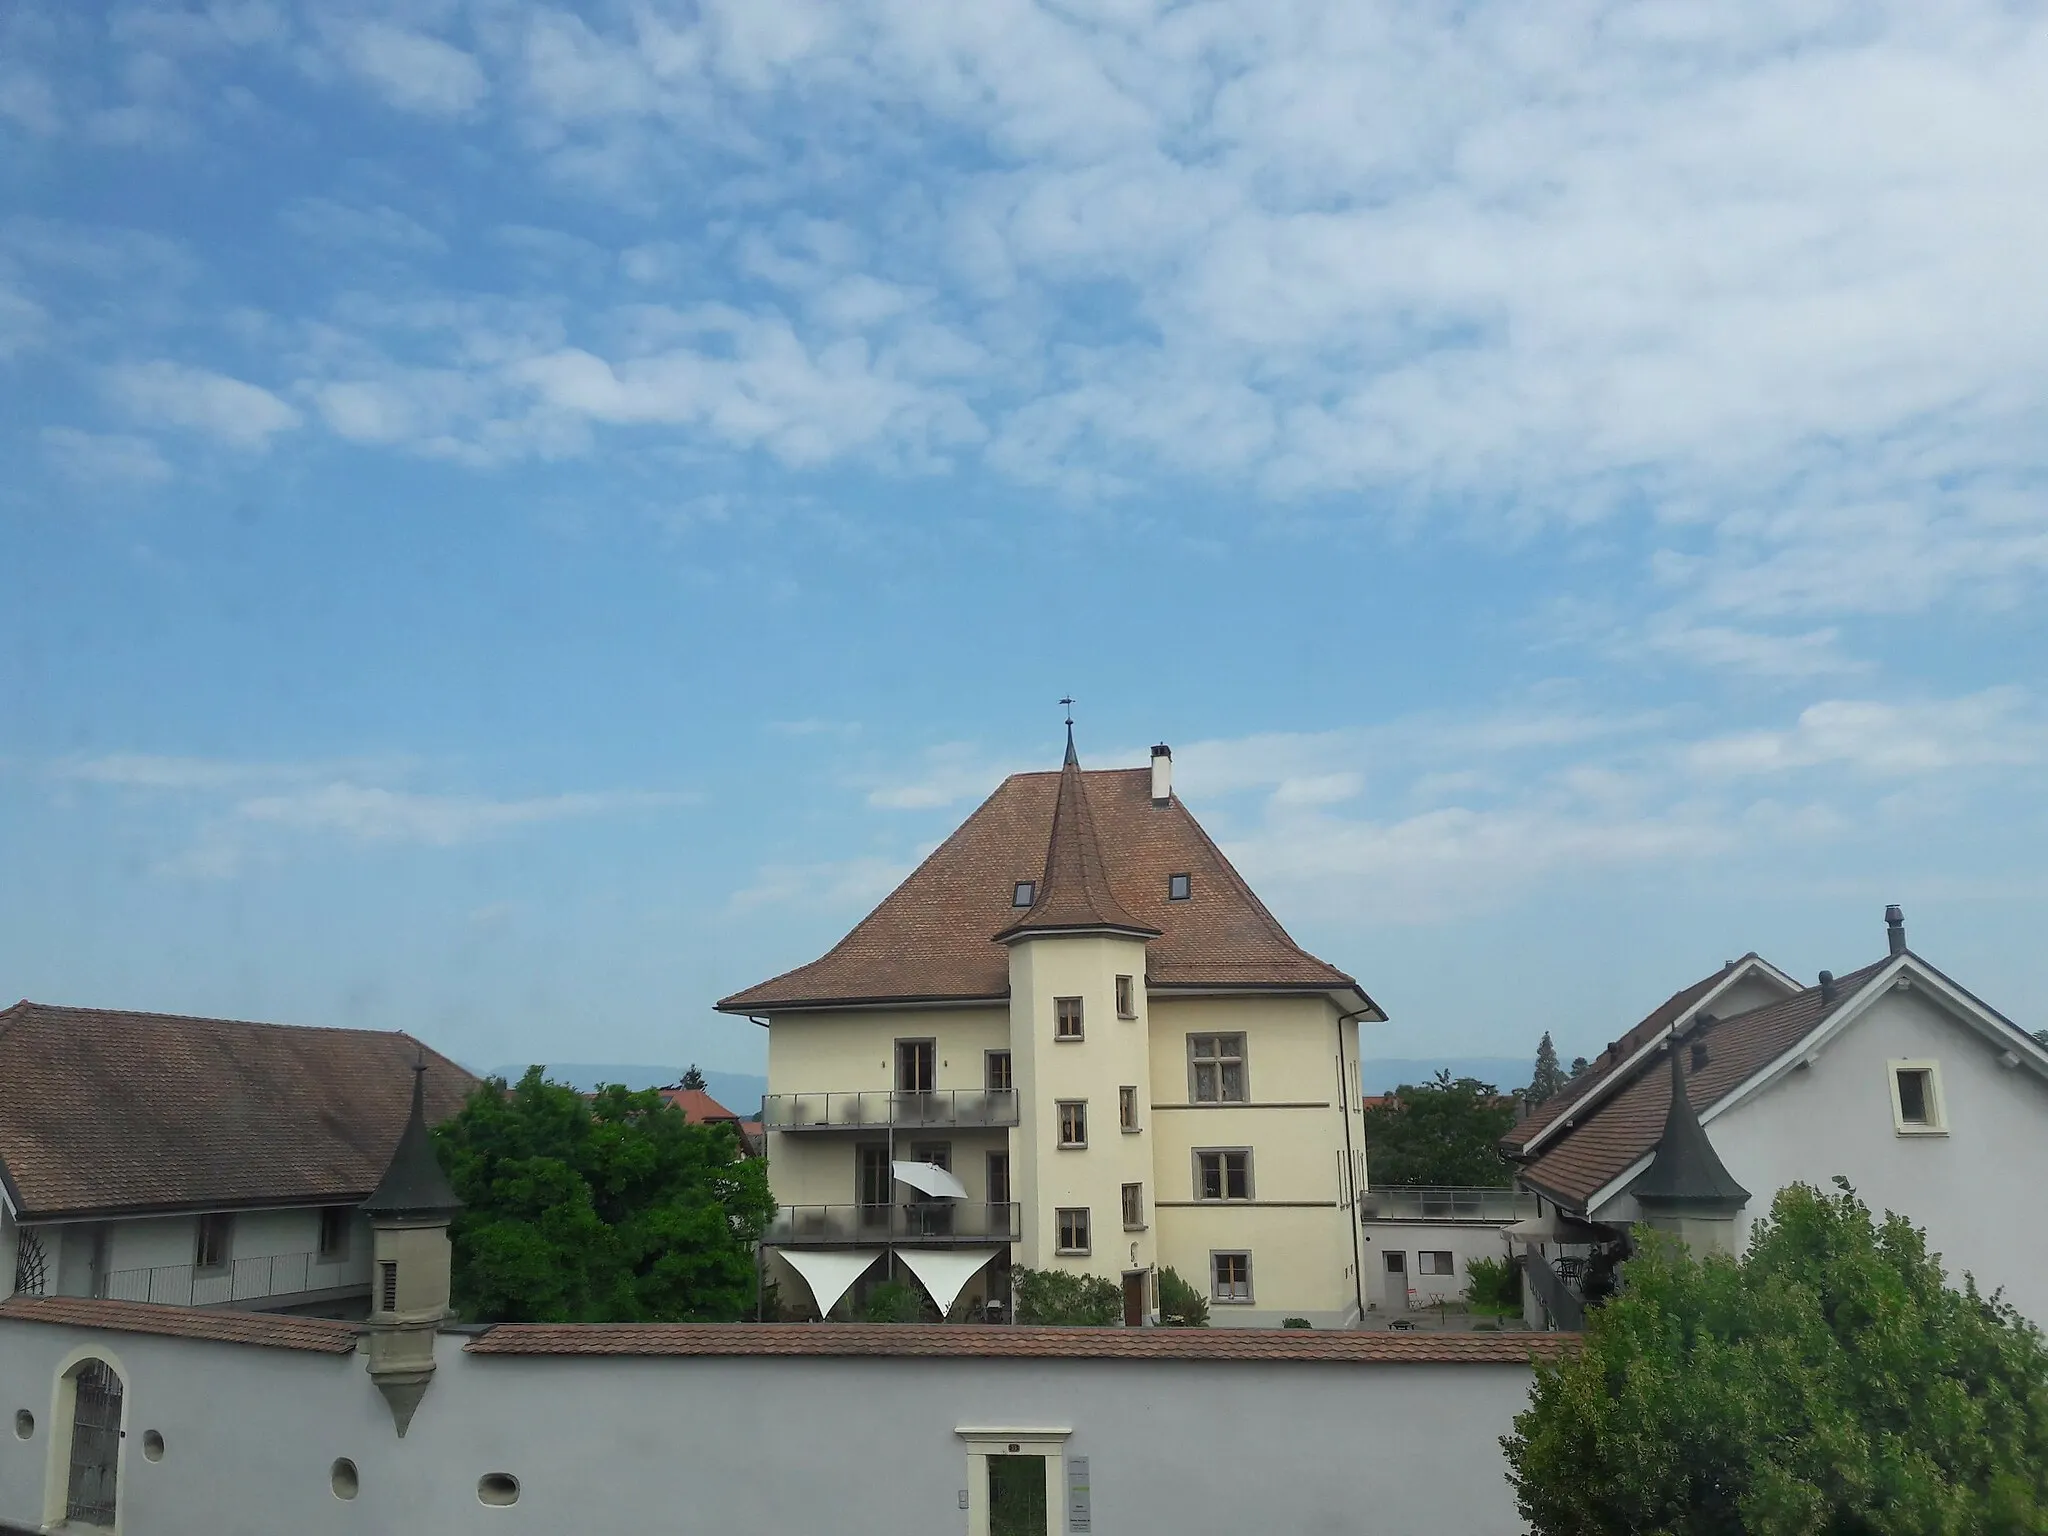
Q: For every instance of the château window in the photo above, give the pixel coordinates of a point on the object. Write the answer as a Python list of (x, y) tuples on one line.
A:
[(1071, 1222), (1917, 1108), (1073, 1118), (999, 1178), (1230, 1276), (1134, 1207), (1024, 894), (1126, 998), (996, 1071), (1224, 1174), (1216, 1069), (1066, 1018), (1436, 1261), (216, 1238), (1127, 1108), (1179, 887), (334, 1225)]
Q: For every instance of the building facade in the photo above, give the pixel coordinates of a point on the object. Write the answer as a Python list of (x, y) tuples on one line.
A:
[(198, 1162), (1116, 1059), (1927, 1100)]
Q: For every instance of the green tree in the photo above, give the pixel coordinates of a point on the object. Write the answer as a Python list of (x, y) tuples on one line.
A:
[(1441, 1132), (1829, 1383), (1549, 1076), (692, 1078), (1580, 1066), (2041, 1035), (612, 1208), (1180, 1304)]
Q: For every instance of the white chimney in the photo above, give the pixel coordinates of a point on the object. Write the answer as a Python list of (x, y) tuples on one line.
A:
[(1162, 774)]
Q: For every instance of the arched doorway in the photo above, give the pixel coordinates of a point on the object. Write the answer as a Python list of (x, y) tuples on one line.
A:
[(95, 1443)]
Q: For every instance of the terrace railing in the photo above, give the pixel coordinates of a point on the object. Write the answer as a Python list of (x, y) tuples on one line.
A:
[(889, 1109), (254, 1279), (921, 1223)]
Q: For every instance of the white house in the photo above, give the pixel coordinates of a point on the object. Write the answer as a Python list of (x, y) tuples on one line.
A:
[(198, 1162), (1928, 1100)]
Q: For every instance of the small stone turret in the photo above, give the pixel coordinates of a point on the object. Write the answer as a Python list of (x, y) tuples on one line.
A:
[(411, 1263), (1687, 1190)]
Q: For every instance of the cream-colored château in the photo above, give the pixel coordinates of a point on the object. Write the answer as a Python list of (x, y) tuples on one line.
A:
[(1072, 1039)]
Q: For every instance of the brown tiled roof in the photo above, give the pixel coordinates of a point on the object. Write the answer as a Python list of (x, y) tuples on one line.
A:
[(104, 1111), (968, 1341), (698, 1107), (1075, 893), (1585, 1159), (934, 935), (268, 1329), (1614, 1057)]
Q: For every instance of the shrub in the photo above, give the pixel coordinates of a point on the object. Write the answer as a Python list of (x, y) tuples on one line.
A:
[(1180, 1304), (892, 1302), (1296, 1322), (1494, 1285), (1059, 1298)]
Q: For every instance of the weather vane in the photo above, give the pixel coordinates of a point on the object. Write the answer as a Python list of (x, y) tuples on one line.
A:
[(1069, 706)]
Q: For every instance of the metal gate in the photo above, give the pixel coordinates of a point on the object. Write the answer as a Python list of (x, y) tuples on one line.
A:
[(95, 1444)]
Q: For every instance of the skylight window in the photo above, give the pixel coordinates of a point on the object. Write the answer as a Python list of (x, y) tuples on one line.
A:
[(1179, 887), (1025, 893)]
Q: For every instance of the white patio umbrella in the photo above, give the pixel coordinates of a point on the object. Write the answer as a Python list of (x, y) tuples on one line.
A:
[(930, 1179)]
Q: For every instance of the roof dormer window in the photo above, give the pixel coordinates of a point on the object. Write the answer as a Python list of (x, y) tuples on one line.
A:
[(1025, 893), (1179, 887)]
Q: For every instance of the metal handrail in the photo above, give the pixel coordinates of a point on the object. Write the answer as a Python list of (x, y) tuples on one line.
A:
[(1566, 1311), (1447, 1202), (919, 1221), (251, 1279), (889, 1108)]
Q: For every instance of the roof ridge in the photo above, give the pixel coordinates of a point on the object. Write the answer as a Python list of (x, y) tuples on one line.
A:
[(208, 1018)]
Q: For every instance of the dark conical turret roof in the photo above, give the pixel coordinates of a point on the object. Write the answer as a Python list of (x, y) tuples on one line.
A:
[(413, 1183), (1075, 896), (1686, 1169)]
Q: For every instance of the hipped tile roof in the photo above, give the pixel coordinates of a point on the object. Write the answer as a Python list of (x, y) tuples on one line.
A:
[(267, 1329), (933, 937), (104, 1112), (976, 1342), (1612, 1135)]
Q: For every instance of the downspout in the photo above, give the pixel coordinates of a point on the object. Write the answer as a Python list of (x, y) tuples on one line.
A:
[(1345, 1090)]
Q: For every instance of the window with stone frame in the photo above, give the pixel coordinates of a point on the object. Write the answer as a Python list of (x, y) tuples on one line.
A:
[(1216, 1069)]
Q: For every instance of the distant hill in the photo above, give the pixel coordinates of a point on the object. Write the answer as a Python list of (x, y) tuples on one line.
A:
[(739, 1092), (1386, 1073)]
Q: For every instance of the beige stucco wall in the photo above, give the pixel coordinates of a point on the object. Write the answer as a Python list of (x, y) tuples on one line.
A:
[(1301, 1064)]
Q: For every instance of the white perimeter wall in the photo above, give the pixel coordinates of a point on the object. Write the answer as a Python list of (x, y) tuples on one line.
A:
[(790, 1445)]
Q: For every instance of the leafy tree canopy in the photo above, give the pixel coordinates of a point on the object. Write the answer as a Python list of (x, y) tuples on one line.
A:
[(1441, 1132), (1060, 1297), (1180, 1304), (1549, 1077), (1829, 1383), (607, 1209)]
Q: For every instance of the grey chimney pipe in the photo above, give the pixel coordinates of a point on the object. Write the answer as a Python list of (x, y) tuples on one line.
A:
[(1827, 989), (1895, 927)]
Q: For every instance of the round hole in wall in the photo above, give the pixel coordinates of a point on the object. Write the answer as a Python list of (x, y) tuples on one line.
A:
[(24, 1423), (341, 1477), (497, 1488), (152, 1445)]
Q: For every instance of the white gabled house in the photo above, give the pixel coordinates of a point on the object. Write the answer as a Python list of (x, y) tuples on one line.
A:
[(1928, 1100)]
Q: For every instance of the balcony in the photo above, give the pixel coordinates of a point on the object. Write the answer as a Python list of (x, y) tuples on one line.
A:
[(883, 1109), (1444, 1202), (924, 1224), (271, 1277)]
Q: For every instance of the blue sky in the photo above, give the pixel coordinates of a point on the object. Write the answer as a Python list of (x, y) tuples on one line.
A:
[(519, 521)]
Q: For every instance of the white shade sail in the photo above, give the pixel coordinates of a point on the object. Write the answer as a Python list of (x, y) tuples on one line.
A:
[(944, 1272), (930, 1179), (830, 1272)]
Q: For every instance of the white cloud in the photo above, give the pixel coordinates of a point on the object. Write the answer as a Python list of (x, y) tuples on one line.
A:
[(99, 458), (170, 394), (331, 224), (947, 774), (833, 886), (410, 70), (1994, 728), (373, 814), (27, 100)]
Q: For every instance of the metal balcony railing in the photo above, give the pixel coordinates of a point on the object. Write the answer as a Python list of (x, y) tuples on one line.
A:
[(183, 1285), (1561, 1304), (889, 1108), (1447, 1202), (927, 1223)]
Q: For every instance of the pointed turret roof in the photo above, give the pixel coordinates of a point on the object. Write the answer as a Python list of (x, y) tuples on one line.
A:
[(1074, 894), (413, 1183), (1686, 1169)]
